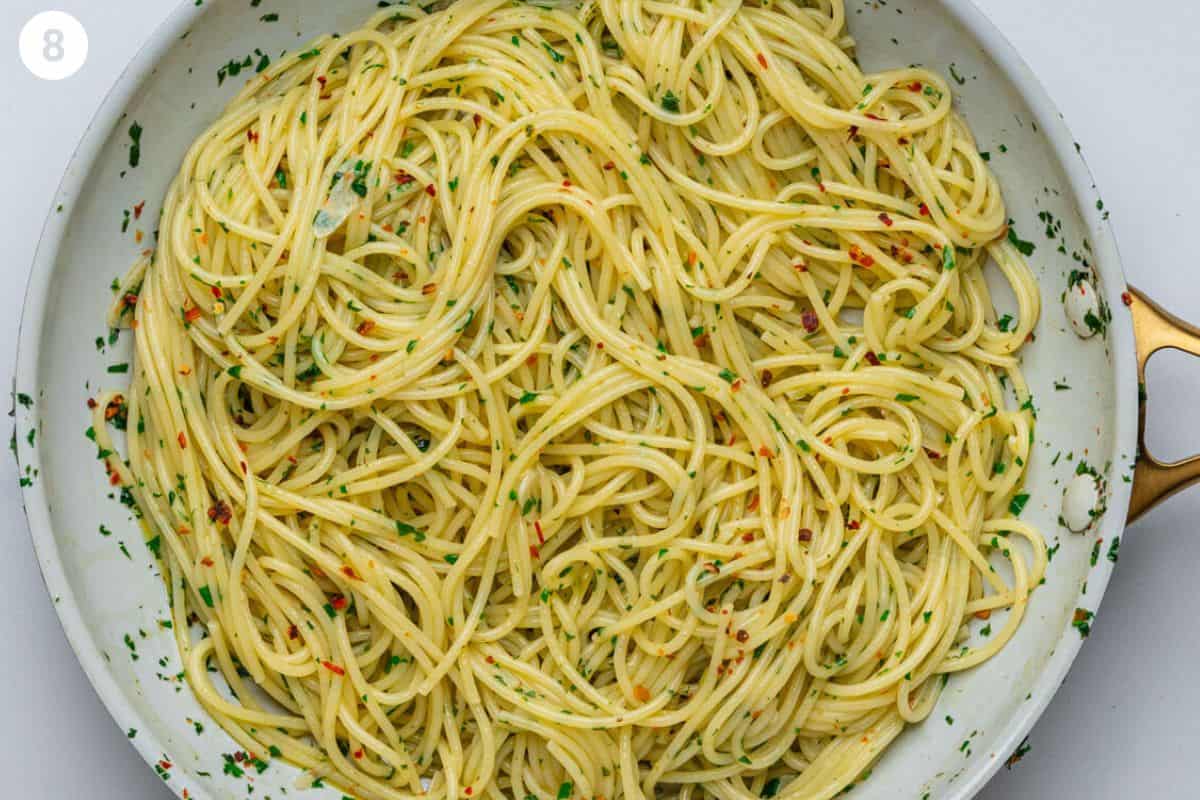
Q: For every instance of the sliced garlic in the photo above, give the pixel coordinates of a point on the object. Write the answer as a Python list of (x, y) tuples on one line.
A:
[(1081, 502), (1083, 309), (341, 202)]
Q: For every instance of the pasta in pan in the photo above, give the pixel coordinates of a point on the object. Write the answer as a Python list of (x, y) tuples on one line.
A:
[(590, 401)]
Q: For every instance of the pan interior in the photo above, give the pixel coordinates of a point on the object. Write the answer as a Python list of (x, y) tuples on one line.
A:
[(121, 599)]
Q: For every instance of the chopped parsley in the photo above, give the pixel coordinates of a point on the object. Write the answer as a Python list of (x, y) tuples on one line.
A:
[(135, 146), (1025, 248)]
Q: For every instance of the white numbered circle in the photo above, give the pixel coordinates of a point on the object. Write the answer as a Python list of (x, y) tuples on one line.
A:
[(54, 45)]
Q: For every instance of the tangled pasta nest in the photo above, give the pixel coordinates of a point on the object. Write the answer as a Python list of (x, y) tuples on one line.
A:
[(581, 402)]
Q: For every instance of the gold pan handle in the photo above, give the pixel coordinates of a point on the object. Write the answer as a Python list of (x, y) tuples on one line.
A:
[(1154, 329)]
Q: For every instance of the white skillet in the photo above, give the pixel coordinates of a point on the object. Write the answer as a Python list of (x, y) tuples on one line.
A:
[(171, 91)]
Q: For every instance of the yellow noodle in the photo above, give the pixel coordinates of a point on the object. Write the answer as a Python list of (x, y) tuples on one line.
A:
[(602, 401)]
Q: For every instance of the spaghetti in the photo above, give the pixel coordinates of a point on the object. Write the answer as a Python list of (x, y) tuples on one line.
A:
[(581, 402)]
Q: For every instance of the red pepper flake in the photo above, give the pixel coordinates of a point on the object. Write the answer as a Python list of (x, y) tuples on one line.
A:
[(767, 378), (853, 132), (429, 289), (165, 764), (206, 561), (534, 552), (192, 314), (984, 613), (924, 209), (137, 210), (711, 568), (599, 345), (641, 693), (764, 451), (932, 453), (566, 184), (490, 659), (537, 526), (762, 60), (874, 117), (220, 512), (293, 632), (691, 259), (915, 86), (608, 165), (1017, 755), (736, 385), (334, 668), (872, 359), (804, 534), (182, 440), (477, 119), (403, 178), (130, 299), (742, 636), (114, 407), (321, 79), (885, 219), (861, 258), (92, 402), (350, 573), (1127, 298), (216, 291), (365, 327), (431, 190), (358, 753), (853, 525), (748, 537), (810, 321), (114, 479)]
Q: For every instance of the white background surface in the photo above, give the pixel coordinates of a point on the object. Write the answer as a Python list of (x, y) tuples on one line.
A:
[(1126, 77)]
